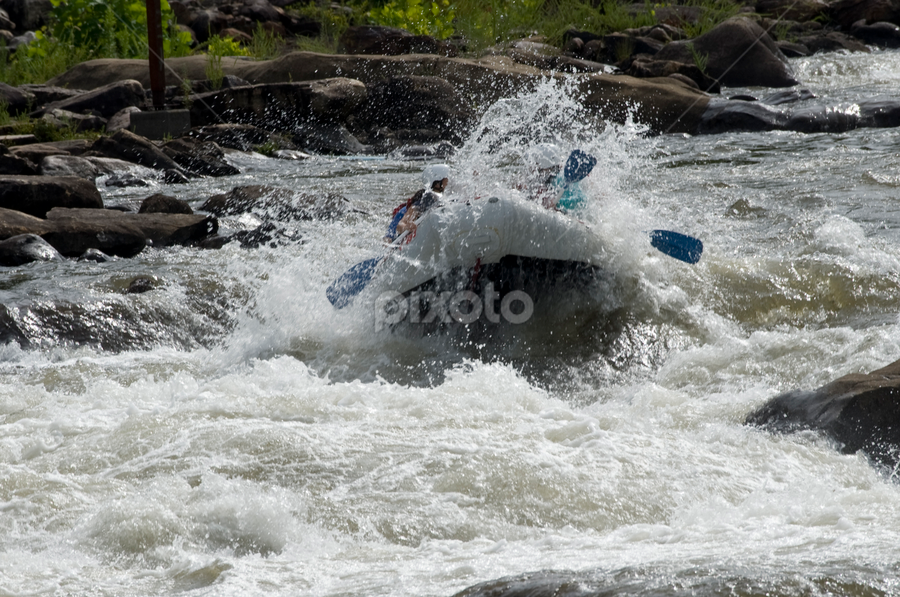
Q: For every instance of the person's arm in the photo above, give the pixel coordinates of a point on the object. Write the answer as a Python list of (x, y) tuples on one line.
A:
[(408, 223)]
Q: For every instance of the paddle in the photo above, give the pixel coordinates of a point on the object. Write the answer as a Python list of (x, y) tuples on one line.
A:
[(351, 283), (679, 246), (578, 166)]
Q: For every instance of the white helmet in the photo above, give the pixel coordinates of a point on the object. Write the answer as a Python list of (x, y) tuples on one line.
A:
[(543, 155), (435, 173)]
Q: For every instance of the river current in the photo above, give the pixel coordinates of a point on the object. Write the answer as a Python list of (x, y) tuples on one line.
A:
[(230, 433)]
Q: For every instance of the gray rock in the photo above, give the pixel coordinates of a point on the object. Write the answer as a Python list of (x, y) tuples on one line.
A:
[(37, 195), (105, 101), (25, 248)]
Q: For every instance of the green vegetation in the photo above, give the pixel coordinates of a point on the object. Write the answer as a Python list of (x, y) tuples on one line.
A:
[(84, 29)]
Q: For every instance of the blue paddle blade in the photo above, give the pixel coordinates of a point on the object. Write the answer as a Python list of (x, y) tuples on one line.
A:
[(578, 166), (680, 246), (351, 283)]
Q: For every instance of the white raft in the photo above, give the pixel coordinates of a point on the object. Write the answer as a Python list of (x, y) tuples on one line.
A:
[(462, 237)]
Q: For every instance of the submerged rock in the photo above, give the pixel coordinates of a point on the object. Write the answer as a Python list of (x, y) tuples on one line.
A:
[(860, 411)]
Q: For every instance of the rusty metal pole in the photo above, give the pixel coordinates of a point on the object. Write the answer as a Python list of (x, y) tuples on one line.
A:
[(157, 65)]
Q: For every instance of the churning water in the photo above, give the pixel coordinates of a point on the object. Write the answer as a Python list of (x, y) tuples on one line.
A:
[(230, 433)]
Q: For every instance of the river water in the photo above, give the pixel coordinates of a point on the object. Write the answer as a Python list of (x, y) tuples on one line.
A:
[(230, 433)]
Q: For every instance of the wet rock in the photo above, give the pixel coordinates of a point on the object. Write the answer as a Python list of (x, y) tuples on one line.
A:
[(95, 256), (728, 59), (879, 113), (276, 203), (105, 101), (124, 180), (18, 101), (885, 35), (201, 157), (25, 248), (861, 412), (725, 115), (36, 195), (164, 204), (419, 103), (266, 234), (175, 177), (389, 41), (125, 145), (822, 119), (141, 285)]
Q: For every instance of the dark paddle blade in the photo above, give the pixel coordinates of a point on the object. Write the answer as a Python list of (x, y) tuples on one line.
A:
[(351, 283), (578, 166), (680, 246)]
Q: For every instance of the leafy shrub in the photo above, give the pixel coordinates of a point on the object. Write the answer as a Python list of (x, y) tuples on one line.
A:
[(421, 17)]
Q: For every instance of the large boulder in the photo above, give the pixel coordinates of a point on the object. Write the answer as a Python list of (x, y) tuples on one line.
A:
[(73, 231), (414, 102), (728, 58), (860, 411), (36, 195), (105, 101)]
